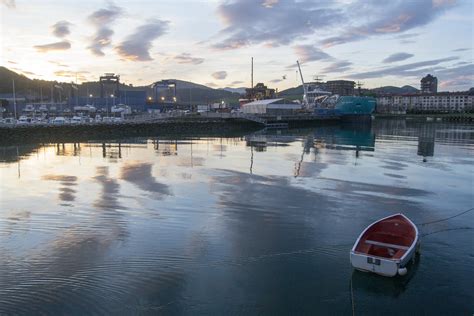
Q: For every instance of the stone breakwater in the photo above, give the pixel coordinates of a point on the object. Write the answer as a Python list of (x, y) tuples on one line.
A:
[(19, 134)]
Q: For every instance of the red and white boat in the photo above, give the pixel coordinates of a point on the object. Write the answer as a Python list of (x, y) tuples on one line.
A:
[(386, 246)]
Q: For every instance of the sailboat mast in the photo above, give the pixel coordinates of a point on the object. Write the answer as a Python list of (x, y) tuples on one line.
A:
[(251, 75), (14, 98)]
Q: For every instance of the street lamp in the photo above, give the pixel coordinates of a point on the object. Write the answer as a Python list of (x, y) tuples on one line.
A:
[(162, 98), (174, 99), (149, 98)]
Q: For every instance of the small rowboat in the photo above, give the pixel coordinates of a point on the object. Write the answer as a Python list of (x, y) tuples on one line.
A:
[(386, 246)]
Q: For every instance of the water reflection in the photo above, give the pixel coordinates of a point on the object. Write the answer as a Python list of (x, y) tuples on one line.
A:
[(67, 194), (140, 174), (253, 224)]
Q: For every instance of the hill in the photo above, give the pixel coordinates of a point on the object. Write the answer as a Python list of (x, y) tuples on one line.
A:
[(395, 90), (240, 90), (33, 88)]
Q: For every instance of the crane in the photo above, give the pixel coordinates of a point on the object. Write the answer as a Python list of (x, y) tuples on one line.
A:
[(305, 99)]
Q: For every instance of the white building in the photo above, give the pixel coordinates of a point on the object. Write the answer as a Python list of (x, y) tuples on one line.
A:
[(271, 107), (451, 102)]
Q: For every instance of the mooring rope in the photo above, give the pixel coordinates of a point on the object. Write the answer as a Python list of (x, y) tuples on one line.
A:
[(352, 297), (445, 219), (445, 230)]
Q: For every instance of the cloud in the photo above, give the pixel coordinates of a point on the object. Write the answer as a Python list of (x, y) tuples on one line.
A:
[(57, 63), (308, 53), (407, 35), (9, 3), (408, 70), (61, 28), (273, 22), (392, 17), (137, 45), (80, 75), (186, 58), (211, 84), (219, 75), (269, 3), (12, 62), (397, 57), (338, 66), (457, 78), (63, 45), (461, 49), (276, 80), (102, 19), (236, 82)]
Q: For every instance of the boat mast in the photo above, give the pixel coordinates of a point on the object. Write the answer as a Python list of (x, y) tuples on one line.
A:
[(14, 98), (251, 75)]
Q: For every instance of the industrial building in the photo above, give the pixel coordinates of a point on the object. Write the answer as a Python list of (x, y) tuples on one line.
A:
[(259, 92), (340, 87), (271, 107), (429, 84)]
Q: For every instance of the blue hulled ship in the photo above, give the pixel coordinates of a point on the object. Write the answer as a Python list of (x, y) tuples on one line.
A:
[(316, 99)]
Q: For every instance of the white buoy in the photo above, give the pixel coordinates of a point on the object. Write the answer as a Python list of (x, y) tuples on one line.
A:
[(402, 271)]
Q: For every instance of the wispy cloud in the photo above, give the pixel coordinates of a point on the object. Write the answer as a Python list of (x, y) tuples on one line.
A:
[(58, 46), (273, 22), (9, 3), (102, 19), (457, 77), (394, 17), (308, 53), (186, 58), (211, 84), (219, 75), (397, 57), (461, 49), (338, 66), (80, 75), (137, 45), (236, 82), (61, 28), (57, 63), (408, 70)]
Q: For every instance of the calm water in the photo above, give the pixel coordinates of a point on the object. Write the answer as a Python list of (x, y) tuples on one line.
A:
[(260, 224)]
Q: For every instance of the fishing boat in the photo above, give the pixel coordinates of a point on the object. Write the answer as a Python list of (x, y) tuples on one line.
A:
[(322, 102), (386, 246)]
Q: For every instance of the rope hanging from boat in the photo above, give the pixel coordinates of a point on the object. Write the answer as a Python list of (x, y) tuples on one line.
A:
[(352, 297), (445, 230), (445, 219)]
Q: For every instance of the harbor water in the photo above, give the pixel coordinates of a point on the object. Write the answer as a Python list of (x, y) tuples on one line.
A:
[(253, 224)]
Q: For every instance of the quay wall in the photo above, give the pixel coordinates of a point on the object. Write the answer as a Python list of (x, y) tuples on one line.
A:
[(20, 134)]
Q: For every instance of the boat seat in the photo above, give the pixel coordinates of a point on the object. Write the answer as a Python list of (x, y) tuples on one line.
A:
[(383, 244)]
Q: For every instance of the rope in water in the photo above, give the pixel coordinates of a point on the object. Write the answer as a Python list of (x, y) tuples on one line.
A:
[(445, 230), (445, 219), (352, 298)]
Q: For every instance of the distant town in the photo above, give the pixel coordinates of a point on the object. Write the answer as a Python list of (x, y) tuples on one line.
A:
[(110, 97)]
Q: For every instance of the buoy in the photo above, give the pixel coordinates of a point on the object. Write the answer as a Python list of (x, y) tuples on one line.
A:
[(402, 271)]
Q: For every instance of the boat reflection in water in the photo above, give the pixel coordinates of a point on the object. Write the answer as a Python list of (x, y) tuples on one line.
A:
[(371, 284)]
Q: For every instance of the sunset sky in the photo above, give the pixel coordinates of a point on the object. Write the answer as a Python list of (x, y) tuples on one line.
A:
[(211, 42)]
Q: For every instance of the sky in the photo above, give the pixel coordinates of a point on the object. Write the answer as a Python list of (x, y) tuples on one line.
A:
[(376, 43)]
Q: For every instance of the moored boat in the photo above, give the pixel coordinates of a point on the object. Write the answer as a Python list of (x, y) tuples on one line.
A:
[(386, 246)]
